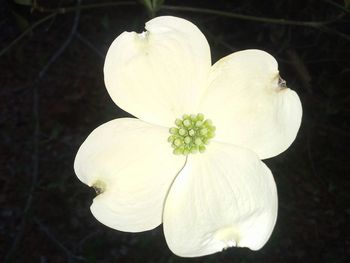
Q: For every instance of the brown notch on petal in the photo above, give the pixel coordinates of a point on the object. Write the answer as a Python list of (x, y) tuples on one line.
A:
[(99, 187), (282, 84)]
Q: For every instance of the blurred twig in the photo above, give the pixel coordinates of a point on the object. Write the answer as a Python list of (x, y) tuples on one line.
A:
[(64, 10), (54, 12), (36, 117), (65, 44), (300, 68), (314, 24), (221, 41), (337, 5), (69, 254), (27, 31), (90, 45), (321, 25), (335, 32)]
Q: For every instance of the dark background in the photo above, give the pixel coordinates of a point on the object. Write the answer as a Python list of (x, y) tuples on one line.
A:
[(53, 96)]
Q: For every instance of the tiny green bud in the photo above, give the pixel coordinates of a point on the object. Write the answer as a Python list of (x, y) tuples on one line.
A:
[(177, 151), (204, 131), (199, 123), (201, 148), (186, 151), (173, 130), (178, 122), (178, 142), (200, 116), (187, 140), (171, 138), (198, 141), (208, 122), (182, 132), (191, 132), (210, 135), (187, 123), (194, 149)]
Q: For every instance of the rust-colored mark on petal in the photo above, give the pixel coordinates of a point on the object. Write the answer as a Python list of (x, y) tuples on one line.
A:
[(282, 84), (99, 187)]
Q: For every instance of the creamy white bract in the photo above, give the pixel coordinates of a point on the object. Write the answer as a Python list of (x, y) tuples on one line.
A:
[(223, 195)]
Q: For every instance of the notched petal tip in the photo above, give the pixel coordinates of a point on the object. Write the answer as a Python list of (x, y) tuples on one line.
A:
[(143, 34), (278, 84), (227, 236), (99, 187), (282, 84), (142, 39)]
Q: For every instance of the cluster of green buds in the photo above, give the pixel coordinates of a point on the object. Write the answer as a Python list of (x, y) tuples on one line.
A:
[(191, 134)]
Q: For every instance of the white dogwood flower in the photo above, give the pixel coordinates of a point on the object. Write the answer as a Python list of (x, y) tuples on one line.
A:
[(192, 158)]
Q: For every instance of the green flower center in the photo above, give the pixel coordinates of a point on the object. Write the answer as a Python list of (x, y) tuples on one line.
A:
[(191, 134)]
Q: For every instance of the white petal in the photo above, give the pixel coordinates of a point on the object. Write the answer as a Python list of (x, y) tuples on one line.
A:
[(133, 161), (248, 106), (224, 197), (157, 75)]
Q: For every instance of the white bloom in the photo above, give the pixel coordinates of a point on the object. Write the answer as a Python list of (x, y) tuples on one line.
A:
[(223, 197)]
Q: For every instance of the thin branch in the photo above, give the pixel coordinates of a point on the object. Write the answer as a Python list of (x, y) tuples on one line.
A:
[(56, 11), (335, 32), (314, 24), (64, 10), (65, 44), (36, 117), (90, 45), (320, 25), (337, 5), (46, 230), (27, 31)]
